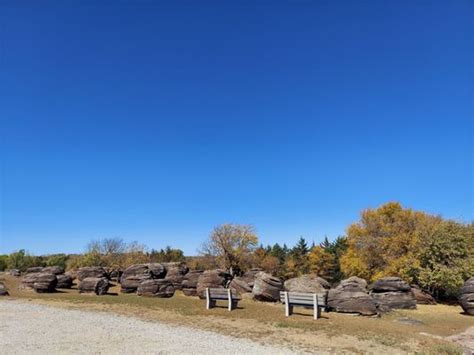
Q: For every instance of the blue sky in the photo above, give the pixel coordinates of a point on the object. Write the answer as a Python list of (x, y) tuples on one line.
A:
[(155, 121)]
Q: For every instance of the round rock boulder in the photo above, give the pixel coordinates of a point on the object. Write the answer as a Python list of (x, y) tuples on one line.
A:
[(351, 296), (45, 282), (190, 282), (267, 287), (392, 293), (91, 271), (211, 279), (466, 296), (309, 283), (421, 296), (64, 281), (97, 285), (175, 273), (156, 288), (135, 274)]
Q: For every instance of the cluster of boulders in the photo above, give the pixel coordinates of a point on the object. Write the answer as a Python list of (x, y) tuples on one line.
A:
[(154, 279), (46, 279), (352, 295)]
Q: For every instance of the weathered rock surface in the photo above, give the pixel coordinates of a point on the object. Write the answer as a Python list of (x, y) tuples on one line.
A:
[(34, 269), (28, 280), (45, 282), (211, 279), (351, 296), (466, 296), (72, 274), (175, 273), (134, 274), (3, 290), (156, 288), (115, 275), (190, 282), (40, 282), (14, 272), (310, 283), (91, 271), (240, 285), (56, 270), (392, 293), (97, 285), (244, 284), (64, 281), (422, 297), (267, 287)]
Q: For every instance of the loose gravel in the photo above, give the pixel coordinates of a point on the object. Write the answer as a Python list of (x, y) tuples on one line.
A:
[(27, 328)]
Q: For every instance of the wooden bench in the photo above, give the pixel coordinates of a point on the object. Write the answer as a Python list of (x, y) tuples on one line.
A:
[(224, 294), (316, 301)]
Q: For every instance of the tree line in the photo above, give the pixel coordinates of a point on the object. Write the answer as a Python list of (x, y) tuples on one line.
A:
[(435, 253)]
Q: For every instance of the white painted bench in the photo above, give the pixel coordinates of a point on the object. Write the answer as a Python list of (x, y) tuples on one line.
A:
[(316, 301), (223, 294)]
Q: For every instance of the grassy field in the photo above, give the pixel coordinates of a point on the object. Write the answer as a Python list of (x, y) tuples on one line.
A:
[(420, 331)]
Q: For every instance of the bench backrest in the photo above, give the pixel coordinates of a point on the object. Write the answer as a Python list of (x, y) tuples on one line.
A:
[(302, 298), (222, 293)]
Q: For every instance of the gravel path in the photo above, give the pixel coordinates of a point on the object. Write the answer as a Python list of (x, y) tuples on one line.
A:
[(27, 328)]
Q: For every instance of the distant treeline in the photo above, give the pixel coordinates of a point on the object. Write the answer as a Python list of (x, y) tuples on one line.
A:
[(432, 252)]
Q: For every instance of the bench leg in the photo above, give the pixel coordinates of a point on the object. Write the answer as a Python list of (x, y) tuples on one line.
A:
[(317, 312)]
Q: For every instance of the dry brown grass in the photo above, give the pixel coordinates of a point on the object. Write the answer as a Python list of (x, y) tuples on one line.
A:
[(266, 322)]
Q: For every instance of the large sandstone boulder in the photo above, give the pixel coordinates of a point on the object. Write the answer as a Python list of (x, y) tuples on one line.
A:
[(97, 285), (3, 290), (190, 282), (56, 270), (244, 284), (240, 285), (211, 279), (45, 282), (64, 281), (421, 296), (351, 296), (392, 293), (175, 273), (155, 288), (40, 282), (267, 287), (91, 271), (134, 274), (466, 296), (310, 283), (72, 274), (28, 281)]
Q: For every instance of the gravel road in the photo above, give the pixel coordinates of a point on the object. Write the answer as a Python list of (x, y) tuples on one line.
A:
[(27, 328)]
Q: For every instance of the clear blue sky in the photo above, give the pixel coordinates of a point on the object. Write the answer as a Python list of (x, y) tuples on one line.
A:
[(157, 120)]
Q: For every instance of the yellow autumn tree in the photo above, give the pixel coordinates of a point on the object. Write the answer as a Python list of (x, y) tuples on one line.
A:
[(384, 241)]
